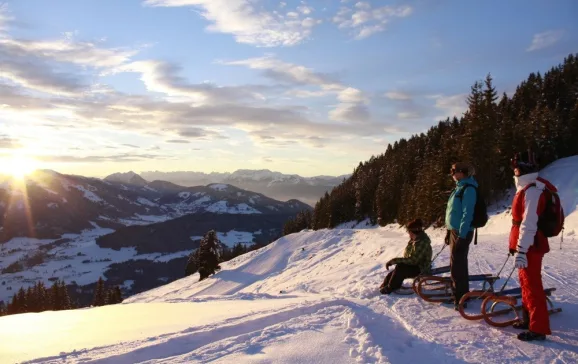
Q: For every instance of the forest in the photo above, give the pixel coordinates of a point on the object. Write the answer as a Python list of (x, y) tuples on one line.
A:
[(411, 177)]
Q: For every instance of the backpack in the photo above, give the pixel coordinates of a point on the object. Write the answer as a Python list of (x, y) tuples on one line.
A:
[(480, 209), (551, 220)]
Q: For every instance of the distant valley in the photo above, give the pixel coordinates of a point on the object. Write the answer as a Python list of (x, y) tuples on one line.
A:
[(132, 232)]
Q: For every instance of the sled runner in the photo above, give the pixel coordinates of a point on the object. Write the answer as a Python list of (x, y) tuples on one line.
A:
[(411, 289), (439, 289), (507, 297)]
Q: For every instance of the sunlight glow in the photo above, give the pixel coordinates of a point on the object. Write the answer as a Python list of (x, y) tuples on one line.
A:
[(17, 165)]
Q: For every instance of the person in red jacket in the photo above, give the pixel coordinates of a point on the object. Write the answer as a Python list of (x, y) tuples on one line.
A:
[(528, 244)]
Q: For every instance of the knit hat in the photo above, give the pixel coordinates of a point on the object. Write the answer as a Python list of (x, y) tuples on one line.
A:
[(526, 162), (415, 226)]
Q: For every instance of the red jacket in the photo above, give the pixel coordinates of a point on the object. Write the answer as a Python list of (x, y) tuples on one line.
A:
[(528, 204)]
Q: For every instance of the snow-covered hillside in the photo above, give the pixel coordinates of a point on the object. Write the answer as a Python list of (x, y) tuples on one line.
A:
[(312, 297)]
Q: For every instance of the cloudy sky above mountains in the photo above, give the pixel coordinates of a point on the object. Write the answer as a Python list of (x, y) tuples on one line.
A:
[(310, 87)]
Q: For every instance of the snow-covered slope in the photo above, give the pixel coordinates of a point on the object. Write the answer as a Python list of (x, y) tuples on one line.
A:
[(311, 297)]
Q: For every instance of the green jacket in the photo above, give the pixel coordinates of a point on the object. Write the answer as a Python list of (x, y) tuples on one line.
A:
[(417, 252)]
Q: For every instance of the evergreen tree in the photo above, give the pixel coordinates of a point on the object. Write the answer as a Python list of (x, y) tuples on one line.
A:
[(209, 255), (99, 294), (64, 297)]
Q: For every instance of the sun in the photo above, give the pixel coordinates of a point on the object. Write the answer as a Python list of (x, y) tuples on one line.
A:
[(17, 165)]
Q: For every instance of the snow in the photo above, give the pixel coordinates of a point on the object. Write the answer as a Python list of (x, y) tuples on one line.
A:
[(219, 187), (52, 205), (311, 297), (88, 194), (144, 201), (231, 238), (184, 194), (222, 207)]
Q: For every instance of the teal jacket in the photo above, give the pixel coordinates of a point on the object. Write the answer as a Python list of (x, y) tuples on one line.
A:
[(460, 212)]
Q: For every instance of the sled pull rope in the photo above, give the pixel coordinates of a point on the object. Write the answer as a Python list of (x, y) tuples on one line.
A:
[(503, 266), (506, 282), (491, 286), (438, 254)]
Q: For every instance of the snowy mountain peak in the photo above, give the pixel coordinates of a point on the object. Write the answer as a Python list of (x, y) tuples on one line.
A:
[(130, 177)]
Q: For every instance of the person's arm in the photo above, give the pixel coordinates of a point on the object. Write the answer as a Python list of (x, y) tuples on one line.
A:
[(417, 254), (468, 204), (529, 224)]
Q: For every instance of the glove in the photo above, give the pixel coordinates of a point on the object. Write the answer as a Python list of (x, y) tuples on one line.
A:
[(513, 251), (521, 261), (388, 264), (447, 239)]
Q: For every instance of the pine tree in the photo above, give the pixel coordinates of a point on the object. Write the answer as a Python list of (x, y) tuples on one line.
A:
[(64, 297), (99, 294), (3, 309), (209, 255)]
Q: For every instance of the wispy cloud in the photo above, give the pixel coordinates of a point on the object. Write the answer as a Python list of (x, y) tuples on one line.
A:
[(249, 22), (545, 40), (7, 142), (164, 77), (352, 105), (366, 20), (453, 105), (398, 95)]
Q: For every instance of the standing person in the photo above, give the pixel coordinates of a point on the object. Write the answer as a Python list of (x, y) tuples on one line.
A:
[(459, 216), (528, 244), (416, 259)]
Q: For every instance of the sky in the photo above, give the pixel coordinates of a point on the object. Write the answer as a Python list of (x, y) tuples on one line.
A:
[(95, 87)]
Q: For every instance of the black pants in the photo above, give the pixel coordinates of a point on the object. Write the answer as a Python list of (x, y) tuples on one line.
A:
[(459, 264), (394, 279)]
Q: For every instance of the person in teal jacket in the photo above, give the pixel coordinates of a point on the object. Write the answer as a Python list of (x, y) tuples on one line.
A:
[(459, 216)]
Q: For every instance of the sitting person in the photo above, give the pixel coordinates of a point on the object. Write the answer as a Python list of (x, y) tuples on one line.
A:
[(416, 259)]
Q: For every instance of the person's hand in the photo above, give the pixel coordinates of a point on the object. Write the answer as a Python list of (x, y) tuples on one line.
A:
[(521, 261), (513, 251), (447, 238), (388, 264)]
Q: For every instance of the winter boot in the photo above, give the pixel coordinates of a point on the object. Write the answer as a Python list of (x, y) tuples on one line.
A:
[(531, 336)]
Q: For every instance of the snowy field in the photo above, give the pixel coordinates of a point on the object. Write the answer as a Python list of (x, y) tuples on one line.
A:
[(312, 297)]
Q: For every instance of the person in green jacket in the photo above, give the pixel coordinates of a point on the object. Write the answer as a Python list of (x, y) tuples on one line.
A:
[(459, 216), (416, 259)]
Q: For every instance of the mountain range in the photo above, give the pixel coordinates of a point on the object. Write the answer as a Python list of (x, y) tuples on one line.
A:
[(273, 184)]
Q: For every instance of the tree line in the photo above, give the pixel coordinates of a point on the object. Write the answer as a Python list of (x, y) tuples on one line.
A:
[(38, 298), (411, 178)]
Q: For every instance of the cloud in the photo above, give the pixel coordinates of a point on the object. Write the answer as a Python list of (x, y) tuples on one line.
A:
[(366, 21), (248, 22), (164, 77), (545, 39), (284, 72), (40, 77), (67, 51), (408, 115), (130, 145), (7, 142), (398, 95), (453, 105), (178, 141), (125, 157), (5, 18), (353, 103)]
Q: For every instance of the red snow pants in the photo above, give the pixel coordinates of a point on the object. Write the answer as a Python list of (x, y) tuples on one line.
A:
[(533, 296)]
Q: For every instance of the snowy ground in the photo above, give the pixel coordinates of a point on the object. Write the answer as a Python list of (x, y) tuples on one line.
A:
[(310, 297)]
